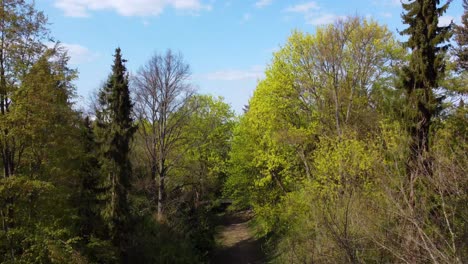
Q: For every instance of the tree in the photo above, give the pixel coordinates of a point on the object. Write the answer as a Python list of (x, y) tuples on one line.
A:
[(205, 154), (423, 74), (22, 28), (420, 79), (304, 156), (88, 195), (461, 37), (196, 180), (35, 208), (115, 129), (89, 200), (47, 85), (162, 92)]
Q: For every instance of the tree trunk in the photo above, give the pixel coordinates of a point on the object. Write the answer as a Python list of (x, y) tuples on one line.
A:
[(161, 196), (161, 189), (419, 165)]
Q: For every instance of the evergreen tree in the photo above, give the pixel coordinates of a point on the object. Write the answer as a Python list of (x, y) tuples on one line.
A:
[(421, 77), (115, 131), (461, 36), (88, 201)]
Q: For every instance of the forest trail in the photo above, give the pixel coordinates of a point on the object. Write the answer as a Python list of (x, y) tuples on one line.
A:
[(236, 241)]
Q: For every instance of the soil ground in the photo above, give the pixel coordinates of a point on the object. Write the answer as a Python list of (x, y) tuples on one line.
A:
[(236, 241)]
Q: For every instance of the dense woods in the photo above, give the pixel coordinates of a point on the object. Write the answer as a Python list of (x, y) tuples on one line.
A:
[(353, 149)]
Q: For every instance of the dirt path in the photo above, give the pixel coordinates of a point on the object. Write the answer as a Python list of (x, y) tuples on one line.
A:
[(236, 243)]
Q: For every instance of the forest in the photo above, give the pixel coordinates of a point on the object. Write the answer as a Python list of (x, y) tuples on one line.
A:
[(352, 149)]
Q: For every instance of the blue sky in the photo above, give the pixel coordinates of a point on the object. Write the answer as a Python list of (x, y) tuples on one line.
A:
[(227, 43)]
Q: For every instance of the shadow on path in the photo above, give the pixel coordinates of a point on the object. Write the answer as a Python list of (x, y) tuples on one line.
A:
[(236, 243)]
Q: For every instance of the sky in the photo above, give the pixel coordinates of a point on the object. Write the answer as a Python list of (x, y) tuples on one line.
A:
[(227, 43)]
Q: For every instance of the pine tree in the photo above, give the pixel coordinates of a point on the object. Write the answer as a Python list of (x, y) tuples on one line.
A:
[(421, 77), (115, 131)]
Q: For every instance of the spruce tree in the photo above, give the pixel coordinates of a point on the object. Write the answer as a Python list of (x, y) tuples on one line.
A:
[(461, 37), (89, 192), (89, 201), (115, 129), (421, 77)]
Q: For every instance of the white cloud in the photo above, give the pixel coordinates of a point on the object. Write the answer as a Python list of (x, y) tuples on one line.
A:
[(312, 13), (389, 3), (78, 53), (263, 3), (445, 21), (303, 8), (255, 72), (81, 8), (321, 19)]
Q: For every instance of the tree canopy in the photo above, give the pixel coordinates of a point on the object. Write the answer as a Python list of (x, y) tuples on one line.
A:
[(352, 149)]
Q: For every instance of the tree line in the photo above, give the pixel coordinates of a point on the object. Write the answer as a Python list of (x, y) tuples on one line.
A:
[(353, 149), (135, 182)]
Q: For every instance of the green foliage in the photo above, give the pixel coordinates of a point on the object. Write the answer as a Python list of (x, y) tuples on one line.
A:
[(450, 182), (321, 154), (461, 37), (89, 201), (423, 74), (47, 85), (19, 54), (196, 171), (32, 229), (329, 153), (154, 242), (35, 213), (201, 170), (115, 130), (327, 220), (274, 144), (202, 167)]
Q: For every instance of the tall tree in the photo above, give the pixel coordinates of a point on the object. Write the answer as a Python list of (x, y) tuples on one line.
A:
[(115, 129), (309, 133), (422, 76), (205, 154), (420, 79), (461, 37), (89, 200), (42, 179), (22, 28), (88, 195), (162, 90)]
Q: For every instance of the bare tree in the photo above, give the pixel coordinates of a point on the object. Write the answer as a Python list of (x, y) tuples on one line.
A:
[(162, 89)]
